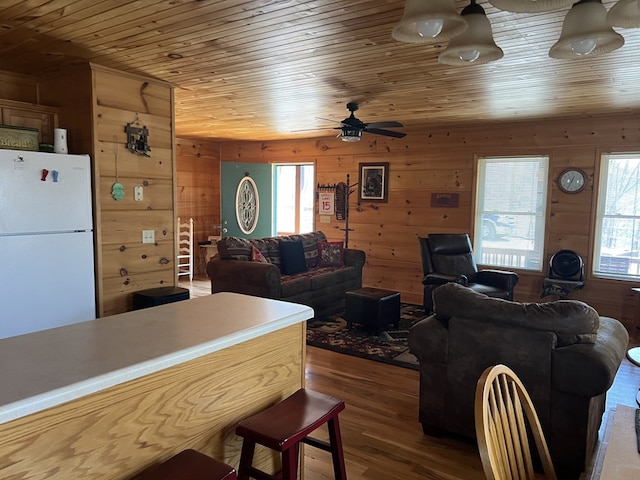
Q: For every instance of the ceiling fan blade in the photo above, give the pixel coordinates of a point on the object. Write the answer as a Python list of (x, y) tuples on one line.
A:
[(386, 133), (329, 120), (384, 124)]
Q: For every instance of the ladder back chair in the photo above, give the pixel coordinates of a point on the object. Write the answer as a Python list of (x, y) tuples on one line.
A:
[(185, 249)]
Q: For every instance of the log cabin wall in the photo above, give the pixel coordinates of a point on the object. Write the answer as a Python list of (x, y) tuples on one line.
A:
[(443, 159), (96, 103), (198, 191)]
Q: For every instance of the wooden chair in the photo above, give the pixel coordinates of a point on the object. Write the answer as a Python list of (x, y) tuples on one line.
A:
[(185, 248), (503, 415)]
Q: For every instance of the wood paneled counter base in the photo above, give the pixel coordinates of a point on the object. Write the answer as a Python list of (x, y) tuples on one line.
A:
[(106, 399)]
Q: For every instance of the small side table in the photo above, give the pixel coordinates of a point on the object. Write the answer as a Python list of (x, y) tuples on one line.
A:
[(633, 355)]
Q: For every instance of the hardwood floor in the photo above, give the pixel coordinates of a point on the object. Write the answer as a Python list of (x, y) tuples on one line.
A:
[(381, 434)]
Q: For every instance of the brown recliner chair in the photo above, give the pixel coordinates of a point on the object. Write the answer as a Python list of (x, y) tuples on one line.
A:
[(565, 353), (449, 258)]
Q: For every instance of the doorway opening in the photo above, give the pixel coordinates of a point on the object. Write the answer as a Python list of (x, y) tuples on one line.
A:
[(293, 198)]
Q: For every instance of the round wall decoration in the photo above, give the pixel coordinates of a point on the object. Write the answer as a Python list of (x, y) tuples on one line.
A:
[(572, 180), (247, 205)]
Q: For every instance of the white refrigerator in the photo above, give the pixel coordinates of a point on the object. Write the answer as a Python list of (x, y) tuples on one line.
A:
[(46, 241)]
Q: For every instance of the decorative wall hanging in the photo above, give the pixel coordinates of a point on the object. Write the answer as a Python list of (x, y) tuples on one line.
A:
[(117, 189), (326, 196), (451, 200), (137, 138), (373, 182), (326, 203), (247, 204)]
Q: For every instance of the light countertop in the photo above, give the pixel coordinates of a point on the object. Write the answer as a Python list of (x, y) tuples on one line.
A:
[(50, 367)]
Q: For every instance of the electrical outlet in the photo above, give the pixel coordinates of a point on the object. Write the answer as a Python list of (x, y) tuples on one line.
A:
[(137, 193), (148, 236)]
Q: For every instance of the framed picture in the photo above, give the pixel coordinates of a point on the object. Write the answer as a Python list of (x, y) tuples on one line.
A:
[(373, 182)]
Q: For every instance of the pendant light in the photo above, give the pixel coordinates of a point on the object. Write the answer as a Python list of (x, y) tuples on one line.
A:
[(625, 14), (475, 45), (585, 32), (426, 21), (531, 6)]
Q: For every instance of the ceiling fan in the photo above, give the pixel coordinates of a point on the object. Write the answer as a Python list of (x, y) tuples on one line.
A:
[(351, 128)]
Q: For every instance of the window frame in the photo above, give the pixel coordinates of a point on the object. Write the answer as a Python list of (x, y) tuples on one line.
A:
[(543, 215), (600, 184)]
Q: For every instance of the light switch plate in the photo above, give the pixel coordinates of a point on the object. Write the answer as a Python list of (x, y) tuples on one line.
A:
[(148, 236)]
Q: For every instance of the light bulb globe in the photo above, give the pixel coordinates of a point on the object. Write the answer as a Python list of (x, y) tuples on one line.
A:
[(584, 47), (469, 55), (430, 28)]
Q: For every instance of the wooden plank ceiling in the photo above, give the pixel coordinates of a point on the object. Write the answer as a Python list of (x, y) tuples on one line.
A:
[(266, 69)]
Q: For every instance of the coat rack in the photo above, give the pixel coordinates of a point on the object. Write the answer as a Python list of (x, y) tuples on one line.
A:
[(347, 193), (343, 192)]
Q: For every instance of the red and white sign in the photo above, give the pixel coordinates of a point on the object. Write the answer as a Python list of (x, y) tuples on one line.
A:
[(327, 203)]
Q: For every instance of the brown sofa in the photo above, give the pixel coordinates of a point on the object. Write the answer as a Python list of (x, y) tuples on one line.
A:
[(564, 352), (328, 274)]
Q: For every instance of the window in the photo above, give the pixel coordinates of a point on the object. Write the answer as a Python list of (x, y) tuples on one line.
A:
[(511, 199), (293, 202), (617, 236)]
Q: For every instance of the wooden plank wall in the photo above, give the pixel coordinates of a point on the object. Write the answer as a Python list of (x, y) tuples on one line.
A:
[(198, 191), (128, 265), (96, 103), (442, 159)]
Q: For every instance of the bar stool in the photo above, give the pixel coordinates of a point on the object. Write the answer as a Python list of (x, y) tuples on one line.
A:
[(283, 426), (190, 465)]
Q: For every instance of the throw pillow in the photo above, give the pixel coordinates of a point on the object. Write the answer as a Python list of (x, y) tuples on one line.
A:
[(257, 256), (292, 258), (330, 254)]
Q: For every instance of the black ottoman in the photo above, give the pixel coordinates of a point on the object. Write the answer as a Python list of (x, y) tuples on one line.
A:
[(158, 296), (373, 308)]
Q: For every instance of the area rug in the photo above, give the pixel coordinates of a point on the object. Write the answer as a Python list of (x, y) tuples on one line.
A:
[(331, 333)]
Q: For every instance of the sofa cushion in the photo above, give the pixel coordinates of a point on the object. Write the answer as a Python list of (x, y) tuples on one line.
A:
[(257, 256), (234, 248), (292, 257), (572, 321), (310, 246), (330, 254), (327, 276), (270, 248), (295, 284)]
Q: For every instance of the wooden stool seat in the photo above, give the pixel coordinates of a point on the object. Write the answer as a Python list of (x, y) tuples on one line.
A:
[(283, 426), (190, 465)]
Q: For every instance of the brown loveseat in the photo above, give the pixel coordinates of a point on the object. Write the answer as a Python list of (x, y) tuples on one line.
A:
[(564, 352), (323, 274)]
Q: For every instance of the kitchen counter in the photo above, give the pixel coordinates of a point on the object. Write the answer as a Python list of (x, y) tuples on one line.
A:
[(183, 355)]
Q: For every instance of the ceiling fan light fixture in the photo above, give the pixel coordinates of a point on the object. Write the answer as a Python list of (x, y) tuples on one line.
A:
[(531, 6), (426, 21), (625, 14), (585, 33), (350, 134), (475, 45)]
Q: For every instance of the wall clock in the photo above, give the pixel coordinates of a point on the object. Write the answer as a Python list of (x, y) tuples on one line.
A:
[(247, 205), (572, 180)]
